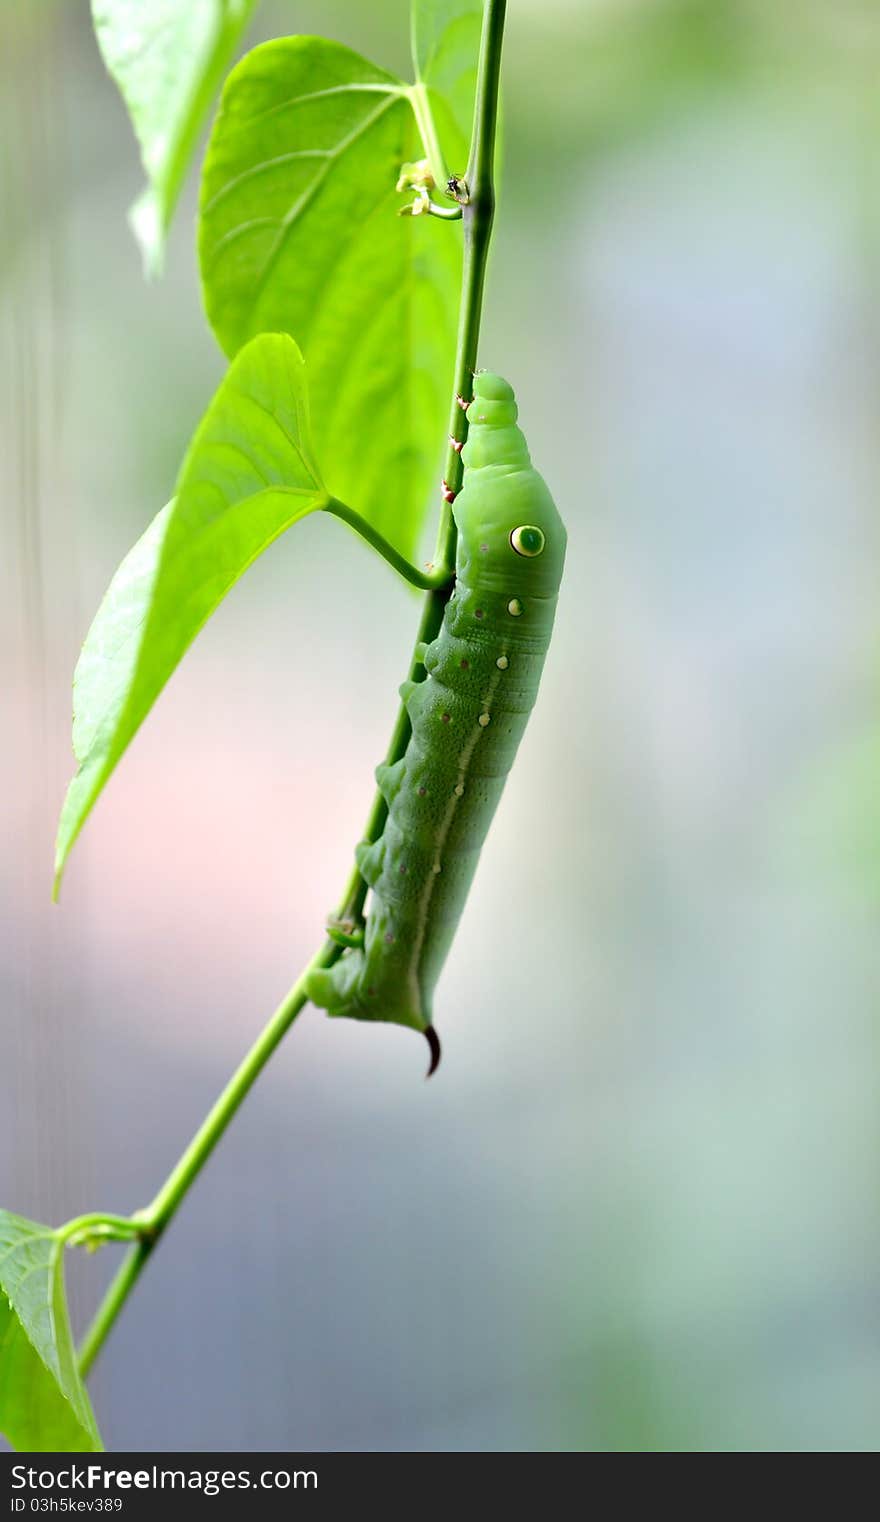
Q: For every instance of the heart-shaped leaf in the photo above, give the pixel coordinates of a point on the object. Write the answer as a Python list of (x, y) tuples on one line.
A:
[(168, 60), (44, 1406), (299, 233), (249, 474)]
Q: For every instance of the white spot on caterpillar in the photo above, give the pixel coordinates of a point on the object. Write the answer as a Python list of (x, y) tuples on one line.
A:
[(484, 719), (458, 789), (502, 663), (436, 867), (514, 607)]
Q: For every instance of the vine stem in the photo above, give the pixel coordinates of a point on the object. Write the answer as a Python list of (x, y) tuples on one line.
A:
[(152, 1222), (478, 211)]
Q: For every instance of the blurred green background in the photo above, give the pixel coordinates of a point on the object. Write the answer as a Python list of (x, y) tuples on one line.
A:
[(637, 1208)]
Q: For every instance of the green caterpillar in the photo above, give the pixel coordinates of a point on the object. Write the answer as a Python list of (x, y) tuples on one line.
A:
[(468, 717)]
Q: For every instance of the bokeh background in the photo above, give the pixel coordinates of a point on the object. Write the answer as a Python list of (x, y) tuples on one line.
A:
[(638, 1207)]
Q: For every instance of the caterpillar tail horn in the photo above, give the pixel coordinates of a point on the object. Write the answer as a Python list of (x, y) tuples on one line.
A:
[(433, 1041)]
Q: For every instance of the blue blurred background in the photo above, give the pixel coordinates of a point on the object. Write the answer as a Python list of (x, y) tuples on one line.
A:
[(637, 1208)]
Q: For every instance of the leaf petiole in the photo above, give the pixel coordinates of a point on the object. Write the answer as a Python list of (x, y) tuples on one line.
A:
[(420, 101), (430, 580), (424, 206), (92, 1231)]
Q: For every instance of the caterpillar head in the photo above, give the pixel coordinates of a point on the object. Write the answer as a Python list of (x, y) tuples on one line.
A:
[(506, 517), (493, 437)]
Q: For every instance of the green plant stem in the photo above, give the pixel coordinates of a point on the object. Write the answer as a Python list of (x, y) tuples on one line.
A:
[(446, 213), (418, 95), (152, 1222), (428, 581), (99, 1227), (477, 217), (120, 1287)]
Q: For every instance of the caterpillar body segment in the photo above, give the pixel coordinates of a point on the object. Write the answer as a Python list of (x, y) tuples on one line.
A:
[(467, 719)]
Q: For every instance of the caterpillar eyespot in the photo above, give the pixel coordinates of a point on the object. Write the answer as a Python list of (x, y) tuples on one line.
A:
[(527, 540), (434, 814)]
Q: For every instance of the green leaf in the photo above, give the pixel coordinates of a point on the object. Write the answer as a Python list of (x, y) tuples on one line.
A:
[(44, 1407), (249, 474), (168, 60), (299, 233), (445, 51)]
